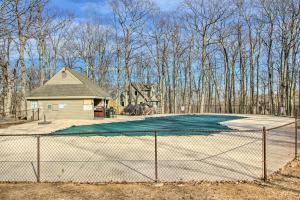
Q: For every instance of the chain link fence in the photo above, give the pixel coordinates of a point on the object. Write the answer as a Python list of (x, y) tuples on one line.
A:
[(245, 109), (18, 158), (21, 115), (224, 155), (148, 156), (281, 147)]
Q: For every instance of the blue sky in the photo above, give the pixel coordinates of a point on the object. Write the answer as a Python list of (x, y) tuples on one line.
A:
[(83, 8)]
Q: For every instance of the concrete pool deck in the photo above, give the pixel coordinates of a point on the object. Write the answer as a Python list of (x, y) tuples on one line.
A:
[(224, 156), (249, 122)]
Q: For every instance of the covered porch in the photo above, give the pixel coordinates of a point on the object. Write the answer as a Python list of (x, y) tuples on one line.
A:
[(100, 108)]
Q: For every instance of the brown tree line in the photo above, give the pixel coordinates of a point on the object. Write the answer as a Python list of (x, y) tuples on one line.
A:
[(233, 56)]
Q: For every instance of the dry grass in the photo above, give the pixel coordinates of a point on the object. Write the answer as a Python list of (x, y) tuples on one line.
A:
[(284, 185)]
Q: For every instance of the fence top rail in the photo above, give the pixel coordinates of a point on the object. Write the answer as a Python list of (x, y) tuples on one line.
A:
[(132, 131), (281, 126)]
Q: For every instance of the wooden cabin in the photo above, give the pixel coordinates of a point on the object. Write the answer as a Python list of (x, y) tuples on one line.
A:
[(69, 95)]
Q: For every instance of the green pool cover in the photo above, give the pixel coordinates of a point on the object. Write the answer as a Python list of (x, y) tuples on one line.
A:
[(178, 122)]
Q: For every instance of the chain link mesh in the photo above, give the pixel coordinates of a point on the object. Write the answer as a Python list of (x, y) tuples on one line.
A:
[(178, 155), (220, 156), (18, 158), (280, 147), (97, 158)]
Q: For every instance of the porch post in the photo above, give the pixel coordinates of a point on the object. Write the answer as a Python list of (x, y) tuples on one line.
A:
[(104, 107)]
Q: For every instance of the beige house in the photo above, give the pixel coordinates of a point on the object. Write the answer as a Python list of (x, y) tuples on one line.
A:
[(140, 94), (68, 95)]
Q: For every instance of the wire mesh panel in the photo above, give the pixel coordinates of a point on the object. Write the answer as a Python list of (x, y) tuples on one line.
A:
[(146, 156), (212, 157), (280, 147), (18, 158), (94, 158)]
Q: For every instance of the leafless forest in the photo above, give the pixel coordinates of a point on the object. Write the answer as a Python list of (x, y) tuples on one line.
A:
[(234, 56)]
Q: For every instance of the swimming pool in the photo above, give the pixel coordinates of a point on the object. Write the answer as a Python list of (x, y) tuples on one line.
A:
[(177, 122)]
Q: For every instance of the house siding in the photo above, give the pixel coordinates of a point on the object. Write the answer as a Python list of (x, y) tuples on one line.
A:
[(58, 79), (138, 96), (72, 109)]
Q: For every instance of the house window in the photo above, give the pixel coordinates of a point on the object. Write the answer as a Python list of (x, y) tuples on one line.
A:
[(61, 106), (122, 103), (149, 93), (64, 74), (34, 105), (135, 93), (49, 106)]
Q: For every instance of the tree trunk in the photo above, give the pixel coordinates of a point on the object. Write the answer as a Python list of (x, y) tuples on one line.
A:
[(251, 55), (23, 73), (270, 70)]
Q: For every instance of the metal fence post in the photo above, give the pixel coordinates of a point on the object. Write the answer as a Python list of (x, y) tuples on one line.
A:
[(296, 135), (264, 154), (38, 169), (155, 142)]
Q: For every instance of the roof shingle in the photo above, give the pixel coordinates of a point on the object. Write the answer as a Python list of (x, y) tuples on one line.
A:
[(87, 88)]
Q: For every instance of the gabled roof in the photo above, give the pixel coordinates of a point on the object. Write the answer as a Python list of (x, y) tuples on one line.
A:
[(84, 88), (141, 86), (144, 87)]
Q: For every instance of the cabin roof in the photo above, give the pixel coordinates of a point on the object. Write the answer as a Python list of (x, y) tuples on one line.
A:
[(144, 87), (83, 89)]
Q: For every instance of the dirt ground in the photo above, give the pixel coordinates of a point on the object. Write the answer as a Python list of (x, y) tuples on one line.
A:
[(11, 122), (283, 185)]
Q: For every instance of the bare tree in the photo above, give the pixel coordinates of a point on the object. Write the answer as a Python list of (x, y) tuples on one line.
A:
[(26, 14), (131, 16)]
